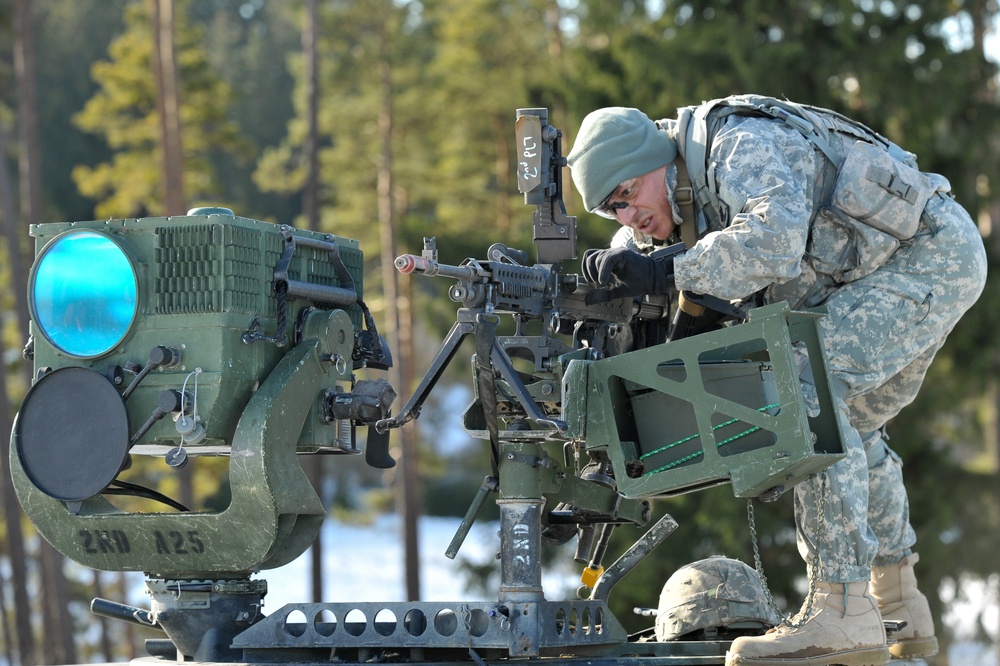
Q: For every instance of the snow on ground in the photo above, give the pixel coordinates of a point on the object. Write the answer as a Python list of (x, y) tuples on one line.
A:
[(365, 563)]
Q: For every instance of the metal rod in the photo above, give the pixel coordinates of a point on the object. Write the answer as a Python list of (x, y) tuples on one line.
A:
[(117, 611), (489, 485), (322, 293), (663, 528)]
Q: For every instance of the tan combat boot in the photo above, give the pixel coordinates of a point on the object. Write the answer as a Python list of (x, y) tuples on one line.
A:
[(895, 589), (844, 627)]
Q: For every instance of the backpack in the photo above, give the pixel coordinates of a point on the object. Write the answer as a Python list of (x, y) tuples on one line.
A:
[(875, 183)]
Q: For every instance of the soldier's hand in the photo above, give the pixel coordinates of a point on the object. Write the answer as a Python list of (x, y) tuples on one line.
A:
[(619, 272)]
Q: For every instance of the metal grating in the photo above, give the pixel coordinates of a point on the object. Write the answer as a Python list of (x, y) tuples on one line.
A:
[(526, 626), (208, 268), (229, 268)]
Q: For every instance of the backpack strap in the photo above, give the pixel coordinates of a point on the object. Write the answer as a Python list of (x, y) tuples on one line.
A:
[(700, 207), (697, 126), (699, 139), (808, 125), (684, 196)]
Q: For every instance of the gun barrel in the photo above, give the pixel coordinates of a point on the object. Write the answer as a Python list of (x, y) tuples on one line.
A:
[(411, 263)]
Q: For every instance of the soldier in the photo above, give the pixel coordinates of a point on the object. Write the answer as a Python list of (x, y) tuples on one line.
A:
[(782, 202)]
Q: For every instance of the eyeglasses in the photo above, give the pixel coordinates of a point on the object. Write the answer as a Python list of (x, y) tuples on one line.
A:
[(611, 209)]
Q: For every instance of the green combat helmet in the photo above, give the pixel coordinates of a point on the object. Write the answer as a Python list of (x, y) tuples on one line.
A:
[(713, 598)]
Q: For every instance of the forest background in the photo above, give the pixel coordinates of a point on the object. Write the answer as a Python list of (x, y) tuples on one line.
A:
[(391, 120)]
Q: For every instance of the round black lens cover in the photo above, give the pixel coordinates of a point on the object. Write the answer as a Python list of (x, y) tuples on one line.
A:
[(72, 433)]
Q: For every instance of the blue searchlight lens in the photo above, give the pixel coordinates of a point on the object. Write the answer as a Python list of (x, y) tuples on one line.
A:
[(84, 293)]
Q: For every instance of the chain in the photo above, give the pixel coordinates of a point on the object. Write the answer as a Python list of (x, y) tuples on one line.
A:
[(813, 568)]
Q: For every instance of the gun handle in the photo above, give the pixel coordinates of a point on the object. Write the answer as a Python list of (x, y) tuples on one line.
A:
[(377, 449), (698, 313), (686, 318)]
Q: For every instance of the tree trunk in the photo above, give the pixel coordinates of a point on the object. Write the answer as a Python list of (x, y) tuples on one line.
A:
[(310, 208), (168, 105), (396, 325), (29, 166), (15, 542), (18, 563), (314, 470), (11, 507), (60, 647), (102, 622), (8, 632), (131, 650), (27, 114), (502, 168), (310, 37)]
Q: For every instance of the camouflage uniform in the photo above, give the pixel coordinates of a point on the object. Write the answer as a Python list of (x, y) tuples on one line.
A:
[(886, 320)]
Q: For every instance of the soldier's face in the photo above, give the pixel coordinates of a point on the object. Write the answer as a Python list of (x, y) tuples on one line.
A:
[(642, 204)]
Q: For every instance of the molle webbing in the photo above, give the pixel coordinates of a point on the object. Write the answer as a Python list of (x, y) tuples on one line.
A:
[(697, 127)]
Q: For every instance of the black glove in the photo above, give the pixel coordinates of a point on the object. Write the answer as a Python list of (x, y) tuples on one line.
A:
[(620, 272)]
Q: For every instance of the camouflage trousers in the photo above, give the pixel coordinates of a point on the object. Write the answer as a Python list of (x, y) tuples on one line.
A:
[(881, 335)]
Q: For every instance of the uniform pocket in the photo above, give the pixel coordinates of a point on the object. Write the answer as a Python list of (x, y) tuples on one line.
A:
[(878, 324), (847, 249), (880, 191)]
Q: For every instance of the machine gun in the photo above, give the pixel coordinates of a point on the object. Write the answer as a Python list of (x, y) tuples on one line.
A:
[(253, 334), (541, 294)]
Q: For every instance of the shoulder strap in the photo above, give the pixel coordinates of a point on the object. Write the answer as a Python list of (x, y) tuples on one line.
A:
[(696, 195), (684, 196)]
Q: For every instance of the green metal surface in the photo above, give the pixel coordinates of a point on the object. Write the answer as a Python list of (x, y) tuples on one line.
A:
[(273, 516), (202, 280), (720, 407)]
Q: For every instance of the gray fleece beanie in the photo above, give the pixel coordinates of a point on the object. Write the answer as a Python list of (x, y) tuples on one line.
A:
[(613, 145)]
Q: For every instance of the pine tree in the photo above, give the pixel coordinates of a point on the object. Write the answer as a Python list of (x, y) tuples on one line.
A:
[(123, 111)]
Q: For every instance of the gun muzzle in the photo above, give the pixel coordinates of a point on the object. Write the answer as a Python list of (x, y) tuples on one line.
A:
[(407, 263), (411, 263)]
